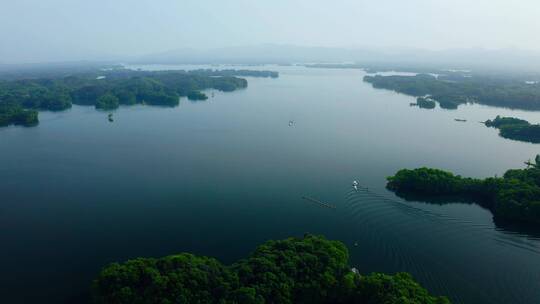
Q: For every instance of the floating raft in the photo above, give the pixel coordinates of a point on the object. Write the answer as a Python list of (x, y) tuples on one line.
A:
[(318, 202)]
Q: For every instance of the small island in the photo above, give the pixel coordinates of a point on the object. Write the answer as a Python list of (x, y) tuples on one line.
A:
[(196, 95), (425, 103), (516, 129), (515, 197), (306, 270)]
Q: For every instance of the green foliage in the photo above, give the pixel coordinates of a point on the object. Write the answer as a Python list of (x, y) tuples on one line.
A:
[(501, 121), (56, 99), (151, 91), (449, 101), (125, 96), (26, 118), (429, 181), (514, 197), (196, 95), (515, 128), (229, 84), (378, 288), (88, 94), (182, 278), (454, 89), (425, 103), (14, 114), (295, 270), (107, 102), (160, 99)]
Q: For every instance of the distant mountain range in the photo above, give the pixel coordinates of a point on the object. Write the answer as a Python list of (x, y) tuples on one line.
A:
[(287, 54), (380, 58)]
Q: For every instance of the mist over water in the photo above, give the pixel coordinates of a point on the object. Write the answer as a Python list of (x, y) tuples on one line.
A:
[(83, 187), (219, 177)]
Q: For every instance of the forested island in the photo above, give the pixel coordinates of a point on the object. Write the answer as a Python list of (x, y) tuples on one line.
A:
[(425, 103), (107, 89), (453, 89), (310, 270), (516, 129), (196, 95), (514, 197)]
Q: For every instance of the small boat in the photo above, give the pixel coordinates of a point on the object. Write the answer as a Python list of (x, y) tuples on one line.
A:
[(460, 120)]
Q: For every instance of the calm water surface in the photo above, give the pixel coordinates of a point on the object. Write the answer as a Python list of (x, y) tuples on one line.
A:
[(219, 177)]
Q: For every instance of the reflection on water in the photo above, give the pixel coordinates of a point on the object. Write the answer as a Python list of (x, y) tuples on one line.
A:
[(221, 176), (433, 246)]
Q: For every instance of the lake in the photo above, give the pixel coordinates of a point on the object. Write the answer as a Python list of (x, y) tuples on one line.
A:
[(219, 177)]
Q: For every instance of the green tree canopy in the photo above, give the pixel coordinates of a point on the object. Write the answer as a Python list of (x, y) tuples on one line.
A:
[(514, 197), (107, 102), (304, 270)]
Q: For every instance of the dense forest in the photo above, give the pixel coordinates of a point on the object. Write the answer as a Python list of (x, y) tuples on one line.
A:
[(516, 129), (452, 89), (295, 270), (108, 89), (15, 114), (513, 197)]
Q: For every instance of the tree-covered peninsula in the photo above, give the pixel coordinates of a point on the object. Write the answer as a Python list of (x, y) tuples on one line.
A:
[(295, 270), (514, 197), (14, 114), (516, 129), (452, 89), (109, 88)]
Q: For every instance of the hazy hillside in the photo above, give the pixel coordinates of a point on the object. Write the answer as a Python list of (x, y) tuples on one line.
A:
[(286, 54)]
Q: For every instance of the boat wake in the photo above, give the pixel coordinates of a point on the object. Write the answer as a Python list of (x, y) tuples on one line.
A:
[(425, 243)]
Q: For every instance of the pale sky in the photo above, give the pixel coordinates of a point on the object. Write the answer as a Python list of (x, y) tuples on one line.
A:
[(56, 30)]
